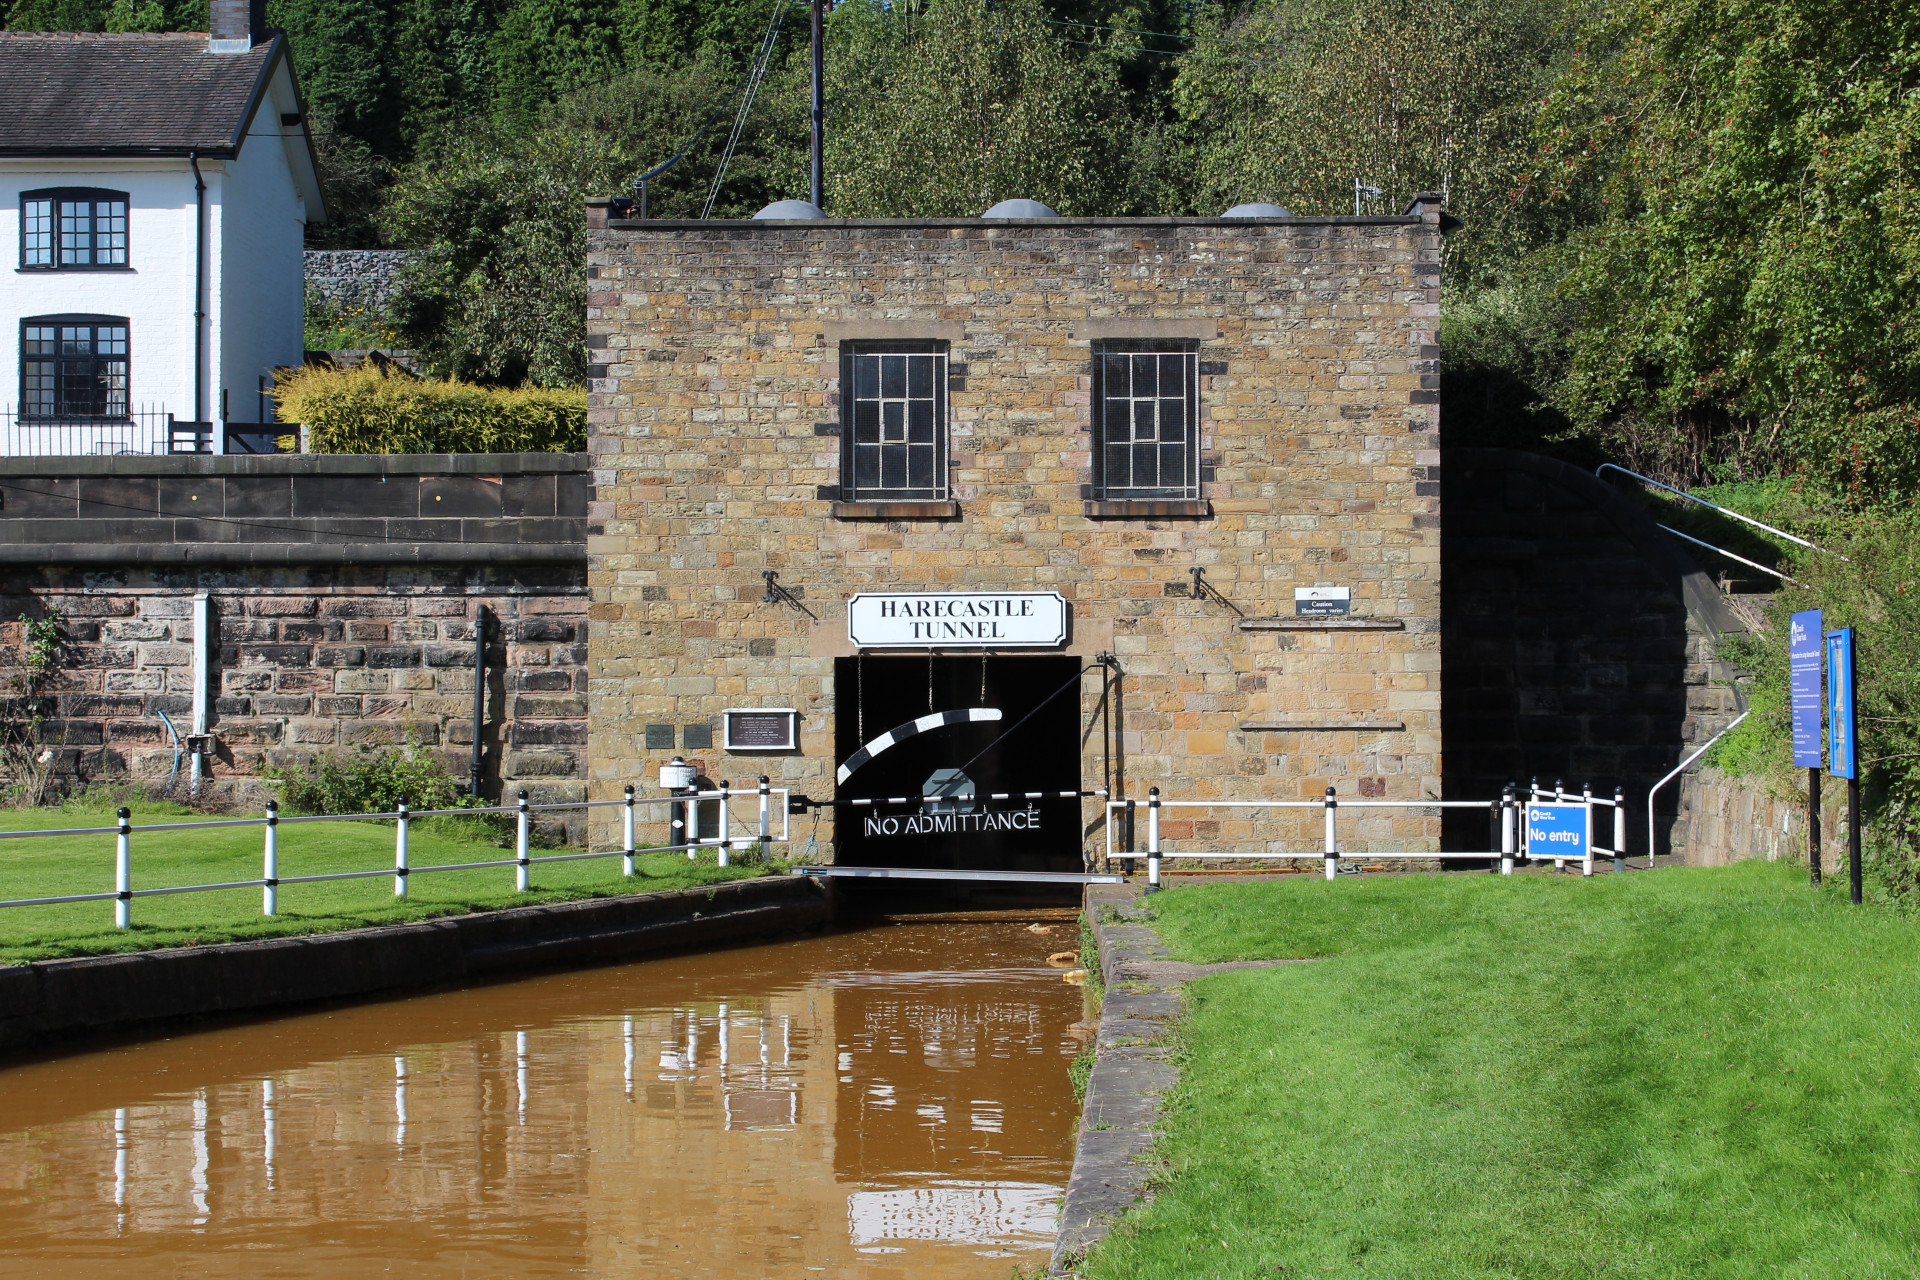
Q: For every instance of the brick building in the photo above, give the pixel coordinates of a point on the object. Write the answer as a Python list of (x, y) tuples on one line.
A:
[(1189, 466)]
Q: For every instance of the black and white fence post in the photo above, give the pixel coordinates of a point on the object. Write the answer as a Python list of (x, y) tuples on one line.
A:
[(270, 863), (123, 870), (521, 822), (726, 831), (400, 850), (1153, 839), (1620, 830), (1332, 853), (766, 820), (1507, 842), (626, 834), (1586, 858)]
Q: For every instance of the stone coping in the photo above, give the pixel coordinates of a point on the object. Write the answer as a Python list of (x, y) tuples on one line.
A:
[(302, 464), (54, 1000)]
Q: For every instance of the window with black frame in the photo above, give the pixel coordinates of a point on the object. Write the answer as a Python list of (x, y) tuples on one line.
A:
[(893, 430), (1147, 420), (73, 228), (73, 367)]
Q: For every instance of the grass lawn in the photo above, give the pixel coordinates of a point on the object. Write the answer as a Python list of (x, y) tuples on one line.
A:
[(1687, 1073), (55, 865)]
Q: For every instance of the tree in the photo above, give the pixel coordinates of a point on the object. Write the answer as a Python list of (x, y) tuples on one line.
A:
[(544, 48), (947, 108), (1745, 296)]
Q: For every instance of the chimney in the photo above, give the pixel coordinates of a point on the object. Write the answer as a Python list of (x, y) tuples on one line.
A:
[(236, 25)]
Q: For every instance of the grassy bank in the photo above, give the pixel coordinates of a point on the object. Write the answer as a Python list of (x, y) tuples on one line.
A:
[(1693, 1073), (54, 865)]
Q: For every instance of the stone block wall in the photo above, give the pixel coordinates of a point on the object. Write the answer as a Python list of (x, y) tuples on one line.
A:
[(359, 633), (713, 419), (355, 277)]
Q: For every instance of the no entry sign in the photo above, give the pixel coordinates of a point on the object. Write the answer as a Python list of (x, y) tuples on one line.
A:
[(1557, 831)]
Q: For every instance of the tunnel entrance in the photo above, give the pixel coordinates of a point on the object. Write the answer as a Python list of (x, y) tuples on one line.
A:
[(957, 730)]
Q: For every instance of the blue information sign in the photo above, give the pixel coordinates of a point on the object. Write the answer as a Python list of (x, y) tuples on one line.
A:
[(1840, 740), (1557, 831), (1803, 673)]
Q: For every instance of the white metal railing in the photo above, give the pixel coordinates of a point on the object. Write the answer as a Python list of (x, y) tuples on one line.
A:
[(1680, 493), (682, 818), (1682, 768), (1508, 806)]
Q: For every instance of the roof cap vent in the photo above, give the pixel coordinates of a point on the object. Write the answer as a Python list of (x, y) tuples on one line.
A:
[(1019, 209), (1258, 209), (789, 211)]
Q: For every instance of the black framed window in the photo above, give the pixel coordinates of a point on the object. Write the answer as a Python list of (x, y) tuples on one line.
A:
[(73, 367), (68, 228), (893, 428), (1147, 420)]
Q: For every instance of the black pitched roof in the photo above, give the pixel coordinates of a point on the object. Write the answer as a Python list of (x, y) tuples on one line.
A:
[(84, 93)]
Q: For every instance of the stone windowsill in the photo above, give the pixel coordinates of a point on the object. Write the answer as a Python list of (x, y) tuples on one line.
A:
[(895, 510), (1147, 509), (1323, 726), (1323, 624)]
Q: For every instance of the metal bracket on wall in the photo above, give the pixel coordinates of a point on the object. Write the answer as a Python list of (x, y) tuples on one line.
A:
[(1204, 590), (777, 594)]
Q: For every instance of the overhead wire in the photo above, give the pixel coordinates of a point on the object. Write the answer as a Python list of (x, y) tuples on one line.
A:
[(755, 74)]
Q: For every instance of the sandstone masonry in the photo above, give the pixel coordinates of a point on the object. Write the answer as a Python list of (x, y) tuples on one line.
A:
[(715, 418)]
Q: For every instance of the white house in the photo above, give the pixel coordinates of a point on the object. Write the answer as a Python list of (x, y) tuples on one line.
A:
[(154, 192)]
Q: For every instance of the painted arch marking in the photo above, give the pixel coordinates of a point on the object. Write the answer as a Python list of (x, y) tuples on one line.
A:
[(913, 728)]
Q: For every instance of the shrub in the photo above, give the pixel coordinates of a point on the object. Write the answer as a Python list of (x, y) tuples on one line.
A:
[(369, 781), (375, 410)]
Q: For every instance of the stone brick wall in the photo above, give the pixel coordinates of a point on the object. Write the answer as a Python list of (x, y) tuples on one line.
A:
[(1725, 819), (712, 417), (355, 277), (343, 596)]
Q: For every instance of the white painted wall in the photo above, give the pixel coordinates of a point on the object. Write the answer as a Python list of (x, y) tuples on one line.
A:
[(155, 294), (256, 225)]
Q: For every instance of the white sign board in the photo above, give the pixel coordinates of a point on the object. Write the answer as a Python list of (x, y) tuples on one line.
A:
[(961, 620), (1321, 602)]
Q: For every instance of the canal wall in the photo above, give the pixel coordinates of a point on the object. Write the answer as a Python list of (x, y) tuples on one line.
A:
[(61, 999), (1120, 1116)]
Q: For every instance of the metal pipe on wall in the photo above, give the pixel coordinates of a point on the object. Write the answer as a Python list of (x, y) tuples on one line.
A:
[(479, 697), (200, 297), (202, 611)]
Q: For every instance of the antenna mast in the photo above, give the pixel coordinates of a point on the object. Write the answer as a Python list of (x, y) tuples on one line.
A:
[(819, 103)]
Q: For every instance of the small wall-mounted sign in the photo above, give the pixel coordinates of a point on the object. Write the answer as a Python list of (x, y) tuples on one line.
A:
[(760, 729), (960, 620), (1322, 602)]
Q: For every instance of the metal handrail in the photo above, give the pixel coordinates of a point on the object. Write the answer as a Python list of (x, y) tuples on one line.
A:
[(1751, 564), (1678, 770), (1758, 524)]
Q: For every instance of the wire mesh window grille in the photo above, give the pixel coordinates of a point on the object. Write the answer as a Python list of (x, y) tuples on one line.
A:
[(73, 367), (1148, 421), (73, 228), (893, 429)]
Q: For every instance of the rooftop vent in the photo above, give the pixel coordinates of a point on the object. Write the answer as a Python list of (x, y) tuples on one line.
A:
[(789, 210), (1019, 209), (1258, 209)]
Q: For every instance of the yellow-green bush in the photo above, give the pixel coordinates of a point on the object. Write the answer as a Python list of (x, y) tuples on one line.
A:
[(372, 410)]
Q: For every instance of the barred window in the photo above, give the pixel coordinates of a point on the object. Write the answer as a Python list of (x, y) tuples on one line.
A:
[(1146, 420), (73, 228), (893, 431), (73, 367)]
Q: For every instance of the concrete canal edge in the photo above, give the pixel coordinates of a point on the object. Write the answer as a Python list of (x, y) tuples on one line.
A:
[(1120, 1117), (53, 1000)]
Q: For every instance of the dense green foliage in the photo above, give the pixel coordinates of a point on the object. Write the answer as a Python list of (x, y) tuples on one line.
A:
[(370, 780), (1694, 1073), (53, 865), (375, 410)]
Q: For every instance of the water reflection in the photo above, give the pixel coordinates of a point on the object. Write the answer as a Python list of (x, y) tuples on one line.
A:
[(877, 1104)]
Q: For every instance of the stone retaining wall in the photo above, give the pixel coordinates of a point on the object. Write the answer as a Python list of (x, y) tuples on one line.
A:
[(58, 999), (1725, 819), (343, 594), (355, 277)]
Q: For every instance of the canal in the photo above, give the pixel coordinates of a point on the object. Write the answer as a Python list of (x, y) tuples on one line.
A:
[(883, 1102)]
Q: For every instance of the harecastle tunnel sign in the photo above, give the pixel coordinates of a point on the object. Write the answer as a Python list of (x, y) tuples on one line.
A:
[(958, 620)]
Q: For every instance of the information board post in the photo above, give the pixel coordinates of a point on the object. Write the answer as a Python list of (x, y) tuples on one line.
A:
[(1842, 746), (1803, 673)]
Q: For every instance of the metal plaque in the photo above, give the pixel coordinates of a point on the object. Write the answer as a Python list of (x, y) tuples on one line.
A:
[(1322, 602), (759, 728)]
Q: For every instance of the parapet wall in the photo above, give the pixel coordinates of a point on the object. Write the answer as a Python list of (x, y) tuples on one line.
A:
[(342, 592)]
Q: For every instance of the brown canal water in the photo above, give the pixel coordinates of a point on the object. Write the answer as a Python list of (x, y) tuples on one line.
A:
[(889, 1102)]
